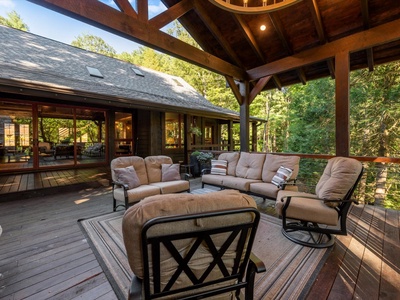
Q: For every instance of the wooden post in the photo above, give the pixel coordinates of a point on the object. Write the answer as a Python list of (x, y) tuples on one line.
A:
[(244, 117), (342, 66)]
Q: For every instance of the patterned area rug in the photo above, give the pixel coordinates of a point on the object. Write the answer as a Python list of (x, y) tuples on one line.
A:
[(291, 268)]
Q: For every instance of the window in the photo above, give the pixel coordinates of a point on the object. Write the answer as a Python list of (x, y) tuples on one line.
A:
[(24, 135), (9, 134), (123, 134), (174, 132)]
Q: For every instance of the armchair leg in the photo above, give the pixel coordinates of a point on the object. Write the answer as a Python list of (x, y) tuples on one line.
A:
[(311, 238)]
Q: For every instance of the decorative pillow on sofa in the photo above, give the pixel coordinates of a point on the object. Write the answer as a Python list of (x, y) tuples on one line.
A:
[(170, 172), (128, 176), (218, 166), (283, 174)]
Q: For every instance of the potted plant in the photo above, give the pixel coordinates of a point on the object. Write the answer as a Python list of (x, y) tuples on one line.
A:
[(195, 163), (204, 159), (195, 130)]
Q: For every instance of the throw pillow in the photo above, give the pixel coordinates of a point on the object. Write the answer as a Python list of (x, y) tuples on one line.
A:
[(219, 166), (128, 176), (170, 172), (282, 175)]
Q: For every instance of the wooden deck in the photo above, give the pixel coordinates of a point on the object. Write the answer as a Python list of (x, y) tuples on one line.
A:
[(44, 255)]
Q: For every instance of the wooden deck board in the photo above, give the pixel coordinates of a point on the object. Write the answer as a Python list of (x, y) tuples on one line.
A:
[(44, 254)]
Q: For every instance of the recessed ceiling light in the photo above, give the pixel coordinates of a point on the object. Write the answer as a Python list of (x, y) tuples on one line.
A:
[(263, 27)]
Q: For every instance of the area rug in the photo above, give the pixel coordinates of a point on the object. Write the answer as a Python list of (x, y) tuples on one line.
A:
[(291, 268)]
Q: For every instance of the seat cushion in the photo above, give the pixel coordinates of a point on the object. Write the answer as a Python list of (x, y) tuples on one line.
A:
[(266, 189), (237, 183), (212, 179), (305, 209), (174, 204), (250, 165), (137, 194), (175, 186)]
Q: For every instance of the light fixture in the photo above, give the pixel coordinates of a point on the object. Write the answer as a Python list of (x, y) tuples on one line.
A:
[(254, 6), (263, 27)]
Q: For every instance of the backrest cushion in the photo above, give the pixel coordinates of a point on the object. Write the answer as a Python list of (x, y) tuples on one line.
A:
[(273, 162), (250, 165), (339, 176), (136, 162), (232, 158), (153, 166), (175, 204)]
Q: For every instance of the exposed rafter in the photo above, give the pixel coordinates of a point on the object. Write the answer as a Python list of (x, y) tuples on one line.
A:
[(369, 51)]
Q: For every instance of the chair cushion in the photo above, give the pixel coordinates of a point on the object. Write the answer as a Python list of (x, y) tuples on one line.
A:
[(170, 172), (136, 194), (173, 204), (339, 176), (250, 165), (273, 162), (219, 167), (128, 176), (301, 208), (232, 158)]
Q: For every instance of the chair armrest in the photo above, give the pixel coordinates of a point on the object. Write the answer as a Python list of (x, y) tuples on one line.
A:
[(205, 171), (135, 291), (120, 184), (258, 263), (289, 197)]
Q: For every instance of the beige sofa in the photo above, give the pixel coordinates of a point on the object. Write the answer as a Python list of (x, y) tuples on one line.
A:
[(152, 175), (253, 173)]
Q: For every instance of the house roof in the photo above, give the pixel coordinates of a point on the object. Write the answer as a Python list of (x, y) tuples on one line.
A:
[(34, 62)]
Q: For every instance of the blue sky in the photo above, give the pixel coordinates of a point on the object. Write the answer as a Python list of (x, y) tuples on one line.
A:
[(56, 26)]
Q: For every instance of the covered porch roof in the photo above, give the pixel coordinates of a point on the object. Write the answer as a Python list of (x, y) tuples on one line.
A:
[(307, 40)]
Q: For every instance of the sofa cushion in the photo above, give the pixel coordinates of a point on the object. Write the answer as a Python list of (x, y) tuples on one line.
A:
[(174, 204), (250, 165), (237, 183), (137, 194), (175, 186), (339, 176), (212, 179), (170, 172), (219, 166), (273, 162), (153, 166), (232, 158), (282, 175), (136, 161), (266, 189), (309, 209), (127, 176)]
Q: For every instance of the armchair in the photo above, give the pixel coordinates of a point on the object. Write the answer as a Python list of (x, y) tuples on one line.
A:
[(194, 249), (323, 214)]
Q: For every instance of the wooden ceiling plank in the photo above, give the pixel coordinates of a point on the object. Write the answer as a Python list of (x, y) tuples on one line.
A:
[(171, 14), (126, 7), (210, 24), (105, 17), (235, 89), (261, 83), (375, 36)]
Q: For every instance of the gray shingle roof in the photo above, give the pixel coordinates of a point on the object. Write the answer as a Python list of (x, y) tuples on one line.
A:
[(29, 58)]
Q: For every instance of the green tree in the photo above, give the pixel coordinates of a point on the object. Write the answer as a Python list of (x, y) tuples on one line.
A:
[(14, 20), (95, 44)]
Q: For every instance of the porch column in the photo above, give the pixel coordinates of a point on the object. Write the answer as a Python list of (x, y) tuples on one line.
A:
[(244, 116), (342, 93)]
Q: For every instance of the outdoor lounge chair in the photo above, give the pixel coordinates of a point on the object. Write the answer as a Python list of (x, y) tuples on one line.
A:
[(192, 255), (324, 213)]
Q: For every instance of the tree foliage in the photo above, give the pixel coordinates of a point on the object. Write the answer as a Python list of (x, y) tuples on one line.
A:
[(14, 20), (95, 44)]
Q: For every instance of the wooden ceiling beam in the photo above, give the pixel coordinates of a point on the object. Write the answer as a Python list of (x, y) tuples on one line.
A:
[(171, 14), (375, 36), (235, 89), (126, 7), (210, 24), (101, 15), (143, 10), (261, 83), (367, 25)]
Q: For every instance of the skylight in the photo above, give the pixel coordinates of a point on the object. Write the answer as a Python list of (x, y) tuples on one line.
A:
[(137, 72), (94, 72)]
